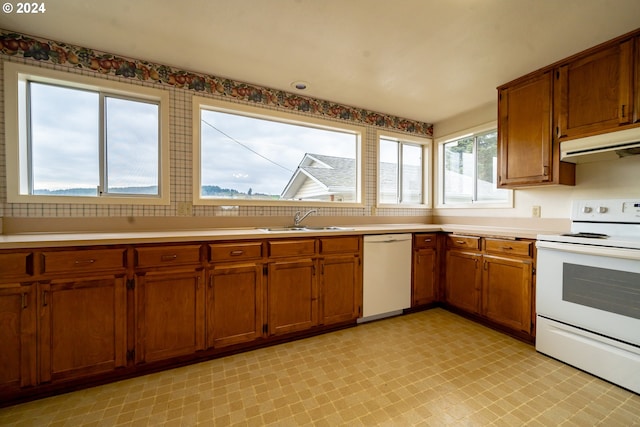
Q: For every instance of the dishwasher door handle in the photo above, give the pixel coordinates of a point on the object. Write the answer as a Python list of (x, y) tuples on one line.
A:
[(388, 241)]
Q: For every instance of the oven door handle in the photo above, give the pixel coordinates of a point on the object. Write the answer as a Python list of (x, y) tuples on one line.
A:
[(632, 254)]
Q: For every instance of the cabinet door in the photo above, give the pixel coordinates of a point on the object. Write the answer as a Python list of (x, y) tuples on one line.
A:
[(293, 296), (82, 327), (340, 289), (170, 314), (525, 140), (463, 283), (234, 304), (506, 293), (594, 93), (18, 337), (424, 277)]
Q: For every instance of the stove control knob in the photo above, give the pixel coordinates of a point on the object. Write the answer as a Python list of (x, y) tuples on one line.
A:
[(602, 209), (586, 209)]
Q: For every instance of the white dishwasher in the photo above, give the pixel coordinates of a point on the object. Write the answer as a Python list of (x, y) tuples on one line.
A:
[(386, 276)]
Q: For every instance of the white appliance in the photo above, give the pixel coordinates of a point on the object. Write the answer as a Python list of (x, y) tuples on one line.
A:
[(386, 276), (605, 146), (588, 291)]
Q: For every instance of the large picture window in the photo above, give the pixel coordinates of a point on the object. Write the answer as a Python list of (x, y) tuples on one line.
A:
[(82, 140), (245, 156)]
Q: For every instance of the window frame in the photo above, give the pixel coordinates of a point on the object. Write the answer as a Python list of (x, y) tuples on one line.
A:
[(440, 142), (427, 151), (16, 77), (223, 106)]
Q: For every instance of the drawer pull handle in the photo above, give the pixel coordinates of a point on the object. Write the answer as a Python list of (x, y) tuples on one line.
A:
[(461, 242), (507, 248), (237, 253), (427, 240), (84, 261), (169, 257)]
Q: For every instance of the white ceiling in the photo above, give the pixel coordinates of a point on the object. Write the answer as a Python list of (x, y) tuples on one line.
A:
[(426, 60)]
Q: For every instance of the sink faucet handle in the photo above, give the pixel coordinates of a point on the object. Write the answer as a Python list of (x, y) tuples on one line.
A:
[(297, 219)]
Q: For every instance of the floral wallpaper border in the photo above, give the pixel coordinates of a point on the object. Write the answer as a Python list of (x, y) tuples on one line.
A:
[(38, 49)]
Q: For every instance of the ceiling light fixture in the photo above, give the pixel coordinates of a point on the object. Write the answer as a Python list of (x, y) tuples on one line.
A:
[(300, 85)]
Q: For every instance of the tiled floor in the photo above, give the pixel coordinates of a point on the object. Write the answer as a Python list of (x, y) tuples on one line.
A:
[(431, 368)]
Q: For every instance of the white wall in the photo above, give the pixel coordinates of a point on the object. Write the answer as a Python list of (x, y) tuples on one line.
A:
[(612, 179)]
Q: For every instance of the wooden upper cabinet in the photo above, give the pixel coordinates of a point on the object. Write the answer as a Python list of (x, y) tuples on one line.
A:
[(594, 94), (527, 154), (525, 140)]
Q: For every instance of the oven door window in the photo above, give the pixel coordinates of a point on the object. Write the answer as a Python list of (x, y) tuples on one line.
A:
[(609, 290)]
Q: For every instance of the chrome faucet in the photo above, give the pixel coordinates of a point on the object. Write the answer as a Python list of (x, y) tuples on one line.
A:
[(297, 219)]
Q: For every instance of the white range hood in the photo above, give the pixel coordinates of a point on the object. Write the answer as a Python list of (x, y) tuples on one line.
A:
[(606, 146)]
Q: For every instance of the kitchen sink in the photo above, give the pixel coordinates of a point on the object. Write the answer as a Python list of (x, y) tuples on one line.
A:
[(303, 228), (331, 228)]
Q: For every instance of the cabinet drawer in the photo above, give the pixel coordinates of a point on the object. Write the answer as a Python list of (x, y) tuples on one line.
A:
[(511, 247), (83, 260), (333, 245), (463, 242), (292, 248), (16, 265), (166, 256), (421, 241), (235, 251)]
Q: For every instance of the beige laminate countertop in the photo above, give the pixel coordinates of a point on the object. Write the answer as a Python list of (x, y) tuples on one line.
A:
[(28, 240)]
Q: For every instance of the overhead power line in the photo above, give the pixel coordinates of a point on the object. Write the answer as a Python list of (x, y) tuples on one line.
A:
[(245, 146)]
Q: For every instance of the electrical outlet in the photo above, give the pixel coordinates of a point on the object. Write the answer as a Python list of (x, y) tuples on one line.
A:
[(535, 211), (185, 209)]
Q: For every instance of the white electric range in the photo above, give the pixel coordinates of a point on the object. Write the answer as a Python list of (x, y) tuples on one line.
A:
[(588, 291)]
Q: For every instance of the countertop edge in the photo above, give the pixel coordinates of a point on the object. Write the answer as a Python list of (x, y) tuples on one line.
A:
[(25, 241)]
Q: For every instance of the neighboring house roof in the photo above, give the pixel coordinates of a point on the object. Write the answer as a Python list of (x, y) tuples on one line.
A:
[(331, 175), (318, 175)]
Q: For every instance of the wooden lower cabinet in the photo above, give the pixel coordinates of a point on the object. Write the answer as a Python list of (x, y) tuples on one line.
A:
[(234, 304), (424, 290), (340, 288), (506, 292), (494, 282), (292, 299), (464, 280), (18, 366), (170, 314), (82, 326), (424, 283)]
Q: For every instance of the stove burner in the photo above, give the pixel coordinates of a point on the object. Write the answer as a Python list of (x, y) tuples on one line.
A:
[(587, 235)]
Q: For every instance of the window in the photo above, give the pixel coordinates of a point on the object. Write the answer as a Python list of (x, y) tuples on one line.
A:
[(85, 140), (469, 171), (247, 155), (402, 169)]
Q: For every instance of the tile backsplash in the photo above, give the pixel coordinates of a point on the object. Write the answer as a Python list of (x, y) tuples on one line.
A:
[(182, 85)]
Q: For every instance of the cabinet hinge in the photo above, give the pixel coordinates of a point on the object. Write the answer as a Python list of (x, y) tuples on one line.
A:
[(131, 284), (533, 270), (131, 354)]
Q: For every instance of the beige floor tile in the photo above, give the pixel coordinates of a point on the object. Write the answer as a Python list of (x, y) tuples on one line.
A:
[(431, 368)]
